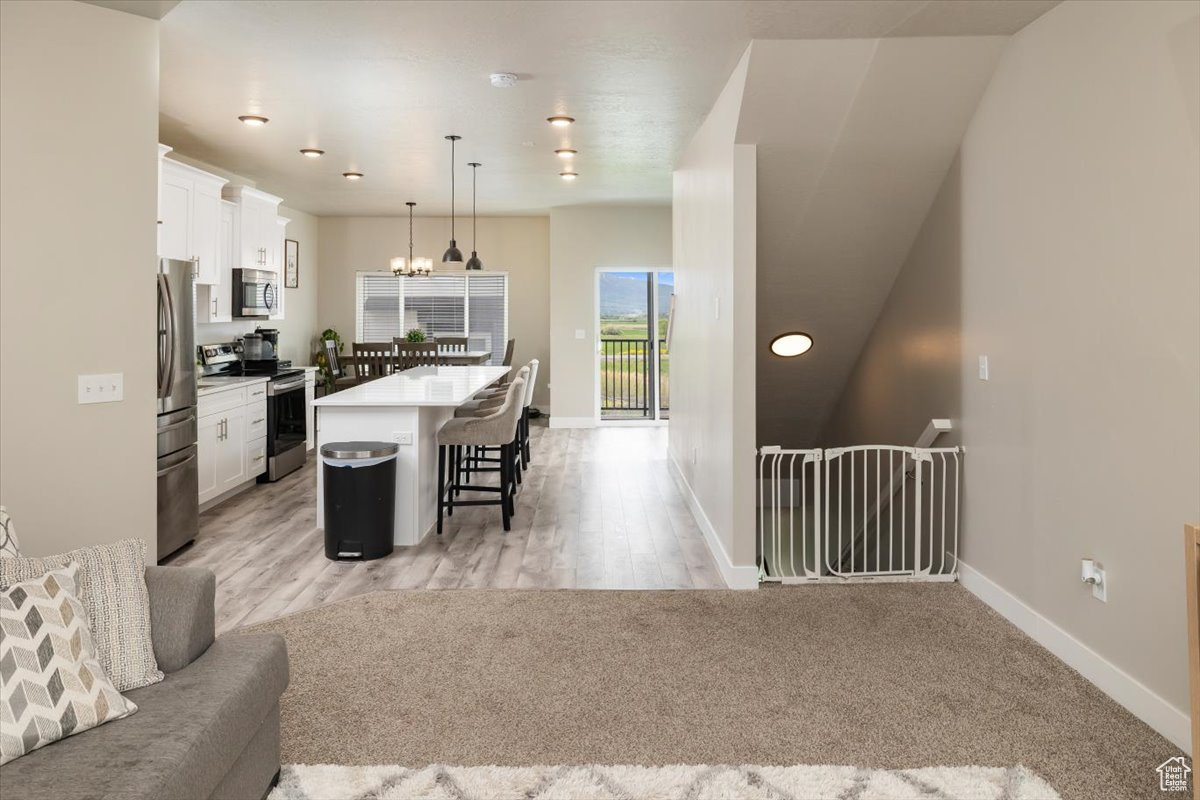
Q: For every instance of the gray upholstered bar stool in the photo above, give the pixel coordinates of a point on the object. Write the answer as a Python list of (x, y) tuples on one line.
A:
[(496, 429), (475, 458)]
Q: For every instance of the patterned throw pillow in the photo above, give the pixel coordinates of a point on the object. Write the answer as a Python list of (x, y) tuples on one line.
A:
[(9, 547), (51, 683), (112, 586)]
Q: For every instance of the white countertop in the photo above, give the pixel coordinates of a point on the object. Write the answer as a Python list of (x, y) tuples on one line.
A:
[(422, 386), (210, 385)]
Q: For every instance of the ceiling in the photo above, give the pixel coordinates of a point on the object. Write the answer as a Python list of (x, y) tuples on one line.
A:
[(377, 85)]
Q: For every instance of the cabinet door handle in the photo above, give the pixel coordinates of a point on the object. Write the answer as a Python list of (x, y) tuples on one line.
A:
[(260, 419), (258, 458)]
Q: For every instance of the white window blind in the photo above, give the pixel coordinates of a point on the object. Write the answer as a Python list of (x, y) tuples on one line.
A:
[(453, 304), (487, 303)]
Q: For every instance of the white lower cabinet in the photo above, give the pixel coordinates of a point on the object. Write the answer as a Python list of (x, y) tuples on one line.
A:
[(310, 394), (232, 443)]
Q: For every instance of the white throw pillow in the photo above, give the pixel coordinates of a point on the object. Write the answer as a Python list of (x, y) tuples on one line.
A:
[(112, 586), (51, 683)]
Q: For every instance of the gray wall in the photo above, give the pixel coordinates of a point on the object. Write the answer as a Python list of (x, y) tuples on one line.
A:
[(910, 370), (78, 124), (583, 238), (1073, 224)]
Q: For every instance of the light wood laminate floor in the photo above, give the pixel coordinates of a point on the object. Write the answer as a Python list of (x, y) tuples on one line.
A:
[(598, 509)]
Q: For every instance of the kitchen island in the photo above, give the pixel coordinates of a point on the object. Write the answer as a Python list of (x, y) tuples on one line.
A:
[(408, 408)]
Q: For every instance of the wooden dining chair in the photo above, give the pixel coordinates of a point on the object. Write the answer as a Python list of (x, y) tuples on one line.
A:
[(340, 379), (508, 352), (453, 344), (373, 360), (415, 354)]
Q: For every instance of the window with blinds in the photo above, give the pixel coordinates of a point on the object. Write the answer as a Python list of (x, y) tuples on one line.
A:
[(453, 304)]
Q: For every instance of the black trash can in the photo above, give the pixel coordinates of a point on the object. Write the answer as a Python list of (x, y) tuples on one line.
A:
[(360, 499)]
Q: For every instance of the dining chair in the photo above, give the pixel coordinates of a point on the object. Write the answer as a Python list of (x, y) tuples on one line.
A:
[(340, 379), (453, 344), (415, 354), (373, 360), (508, 352)]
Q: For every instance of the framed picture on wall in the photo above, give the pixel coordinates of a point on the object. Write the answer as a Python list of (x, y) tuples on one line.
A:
[(291, 263)]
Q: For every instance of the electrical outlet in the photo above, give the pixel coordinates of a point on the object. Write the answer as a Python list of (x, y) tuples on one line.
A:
[(402, 437), (1093, 574), (108, 388), (983, 368)]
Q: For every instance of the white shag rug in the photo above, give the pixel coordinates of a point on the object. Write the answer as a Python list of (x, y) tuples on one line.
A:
[(685, 782)]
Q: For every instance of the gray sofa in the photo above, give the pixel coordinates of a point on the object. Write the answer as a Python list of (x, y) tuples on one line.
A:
[(209, 730)]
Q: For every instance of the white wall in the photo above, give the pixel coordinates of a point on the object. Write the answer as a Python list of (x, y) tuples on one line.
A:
[(1069, 236), (78, 198), (712, 349), (583, 238), (1081, 272), (517, 245), (301, 327)]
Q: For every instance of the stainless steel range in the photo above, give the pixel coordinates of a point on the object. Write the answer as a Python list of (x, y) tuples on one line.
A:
[(287, 422)]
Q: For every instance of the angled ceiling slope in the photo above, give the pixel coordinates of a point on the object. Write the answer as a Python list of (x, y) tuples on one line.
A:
[(854, 138)]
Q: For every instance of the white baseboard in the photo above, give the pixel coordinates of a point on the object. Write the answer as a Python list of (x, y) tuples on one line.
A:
[(736, 576), (1173, 723), (572, 422)]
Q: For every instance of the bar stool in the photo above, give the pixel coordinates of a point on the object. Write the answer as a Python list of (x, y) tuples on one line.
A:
[(497, 429), (483, 405)]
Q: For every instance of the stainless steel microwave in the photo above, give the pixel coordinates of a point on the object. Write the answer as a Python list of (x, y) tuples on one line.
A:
[(255, 293)]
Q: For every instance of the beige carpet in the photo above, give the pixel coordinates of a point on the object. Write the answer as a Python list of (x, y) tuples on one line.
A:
[(892, 676)]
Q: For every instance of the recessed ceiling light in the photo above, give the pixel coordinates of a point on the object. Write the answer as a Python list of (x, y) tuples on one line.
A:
[(352, 176), (568, 176), (311, 152), (565, 152), (560, 122), (253, 120), (791, 344), (503, 80)]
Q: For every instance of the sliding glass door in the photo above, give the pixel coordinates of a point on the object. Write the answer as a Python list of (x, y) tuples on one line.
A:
[(633, 362)]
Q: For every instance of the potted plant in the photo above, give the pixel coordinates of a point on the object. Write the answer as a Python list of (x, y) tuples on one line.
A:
[(415, 335)]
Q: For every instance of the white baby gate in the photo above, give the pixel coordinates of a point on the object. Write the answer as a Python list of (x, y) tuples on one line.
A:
[(863, 513)]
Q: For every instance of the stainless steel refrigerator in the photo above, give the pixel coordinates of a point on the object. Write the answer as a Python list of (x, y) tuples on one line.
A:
[(178, 493)]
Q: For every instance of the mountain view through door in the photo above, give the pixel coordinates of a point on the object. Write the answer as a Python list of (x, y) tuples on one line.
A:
[(634, 364)]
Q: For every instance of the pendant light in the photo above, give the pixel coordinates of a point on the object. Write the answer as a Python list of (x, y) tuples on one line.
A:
[(474, 262), (413, 267), (452, 254)]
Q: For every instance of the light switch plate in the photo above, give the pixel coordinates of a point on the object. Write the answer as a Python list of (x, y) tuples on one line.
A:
[(109, 388), (983, 368), (716, 307)]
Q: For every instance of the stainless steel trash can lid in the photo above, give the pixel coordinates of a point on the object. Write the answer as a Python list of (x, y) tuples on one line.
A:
[(359, 449)]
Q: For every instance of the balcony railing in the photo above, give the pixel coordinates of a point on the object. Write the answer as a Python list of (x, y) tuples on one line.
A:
[(626, 379)]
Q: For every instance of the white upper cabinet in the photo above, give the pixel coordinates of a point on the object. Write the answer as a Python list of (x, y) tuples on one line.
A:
[(190, 218), (215, 302), (258, 229)]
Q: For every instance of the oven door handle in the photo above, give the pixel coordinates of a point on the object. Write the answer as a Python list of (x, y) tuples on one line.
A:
[(275, 389)]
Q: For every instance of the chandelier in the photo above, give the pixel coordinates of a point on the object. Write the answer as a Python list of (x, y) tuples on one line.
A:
[(411, 267)]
